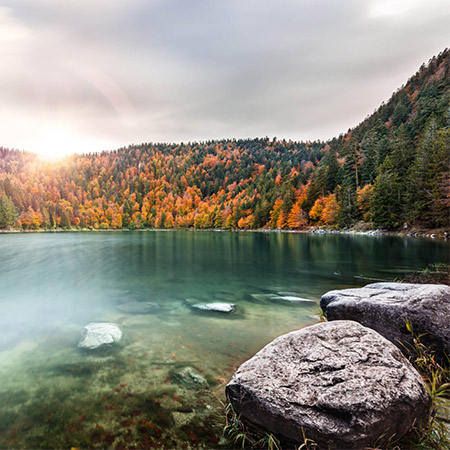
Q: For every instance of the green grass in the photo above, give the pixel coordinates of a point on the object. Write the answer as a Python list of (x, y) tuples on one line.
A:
[(320, 314), (239, 435), (433, 274), (432, 432)]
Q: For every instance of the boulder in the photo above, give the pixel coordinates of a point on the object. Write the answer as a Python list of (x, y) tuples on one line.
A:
[(385, 307), (343, 384), (220, 307), (96, 335), (135, 307)]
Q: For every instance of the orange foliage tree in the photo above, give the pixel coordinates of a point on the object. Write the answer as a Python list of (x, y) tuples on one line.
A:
[(297, 217), (330, 210), (363, 201), (325, 210)]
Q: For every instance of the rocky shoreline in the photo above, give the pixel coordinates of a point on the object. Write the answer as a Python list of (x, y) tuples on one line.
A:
[(429, 234), (345, 383)]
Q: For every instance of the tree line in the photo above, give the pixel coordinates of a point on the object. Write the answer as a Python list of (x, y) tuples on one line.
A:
[(390, 171)]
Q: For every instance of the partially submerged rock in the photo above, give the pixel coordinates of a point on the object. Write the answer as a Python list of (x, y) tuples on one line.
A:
[(135, 307), (385, 307), (219, 307), (96, 335), (343, 384)]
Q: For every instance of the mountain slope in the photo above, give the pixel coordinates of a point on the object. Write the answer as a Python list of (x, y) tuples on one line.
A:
[(391, 169)]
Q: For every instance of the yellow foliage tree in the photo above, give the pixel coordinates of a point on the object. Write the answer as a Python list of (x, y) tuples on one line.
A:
[(316, 211), (330, 210), (363, 201), (275, 214)]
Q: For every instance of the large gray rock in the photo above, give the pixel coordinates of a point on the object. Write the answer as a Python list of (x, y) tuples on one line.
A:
[(96, 335), (340, 382), (385, 307)]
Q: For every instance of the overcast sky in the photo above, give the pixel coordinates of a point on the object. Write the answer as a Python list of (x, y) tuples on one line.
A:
[(90, 75)]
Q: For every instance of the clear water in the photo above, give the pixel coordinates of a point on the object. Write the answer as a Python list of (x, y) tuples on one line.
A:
[(53, 395)]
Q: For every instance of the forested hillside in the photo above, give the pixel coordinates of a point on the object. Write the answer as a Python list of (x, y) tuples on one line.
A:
[(390, 170)]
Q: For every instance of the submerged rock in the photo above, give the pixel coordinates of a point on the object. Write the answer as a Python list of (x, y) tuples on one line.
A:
[(343, 384), (182, 419), (95, 335), (385, 307), (260, 298), (288, 298), (220, 307), (135, 307), (291, 299), (188, 376), (225, 296)]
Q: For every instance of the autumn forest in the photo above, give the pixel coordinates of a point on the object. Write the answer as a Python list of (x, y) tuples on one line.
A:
[(390, 171)]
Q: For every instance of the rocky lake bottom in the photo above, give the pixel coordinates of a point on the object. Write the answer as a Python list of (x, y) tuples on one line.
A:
[(162, 386)]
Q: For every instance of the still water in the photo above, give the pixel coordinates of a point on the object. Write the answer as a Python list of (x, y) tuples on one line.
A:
[(162, 386)]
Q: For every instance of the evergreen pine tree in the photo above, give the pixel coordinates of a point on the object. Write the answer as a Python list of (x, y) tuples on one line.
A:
[(7, 211), (427, 197), (385, 202)]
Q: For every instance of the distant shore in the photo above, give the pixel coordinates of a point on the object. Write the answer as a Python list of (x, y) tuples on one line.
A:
[(430, 234)]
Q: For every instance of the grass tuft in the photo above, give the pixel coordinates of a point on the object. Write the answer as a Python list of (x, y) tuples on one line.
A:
[(438, 273), (238, 433), (433, 431), (320, 314)]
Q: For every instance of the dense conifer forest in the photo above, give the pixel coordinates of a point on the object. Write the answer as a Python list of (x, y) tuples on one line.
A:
[(391, 171)]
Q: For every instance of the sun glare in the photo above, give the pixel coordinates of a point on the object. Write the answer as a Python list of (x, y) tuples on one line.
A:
[(56, 143)]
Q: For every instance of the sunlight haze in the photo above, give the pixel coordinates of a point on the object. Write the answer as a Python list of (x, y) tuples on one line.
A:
[(82, 76)]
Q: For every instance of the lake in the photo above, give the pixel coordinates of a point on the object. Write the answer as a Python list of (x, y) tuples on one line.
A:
[(163, 385)]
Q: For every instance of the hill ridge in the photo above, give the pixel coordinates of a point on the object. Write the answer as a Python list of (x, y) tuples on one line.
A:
[(388, 171)]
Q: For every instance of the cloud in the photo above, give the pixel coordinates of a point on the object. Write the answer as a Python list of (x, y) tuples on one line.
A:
[(113, 72), (10, 29)]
